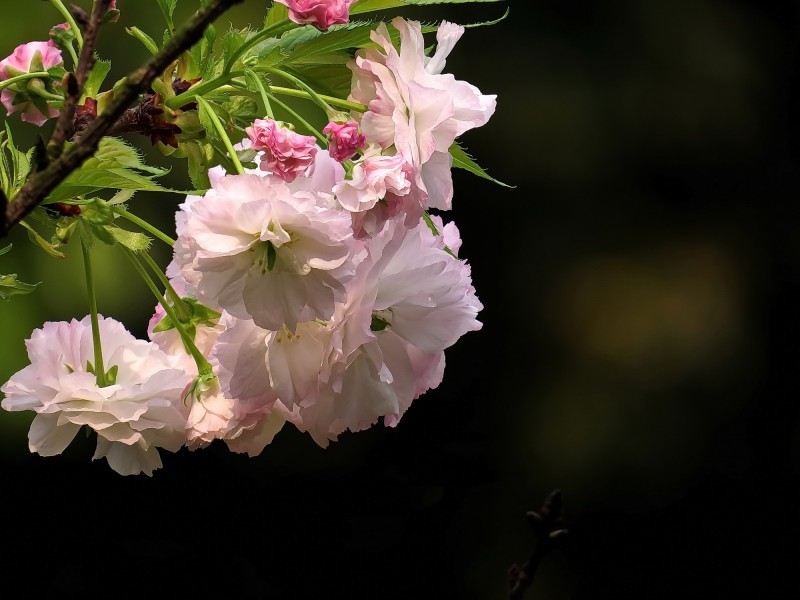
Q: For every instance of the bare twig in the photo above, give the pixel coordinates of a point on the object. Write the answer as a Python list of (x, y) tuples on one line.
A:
[(40, 184), (74, 84), (548, 527)]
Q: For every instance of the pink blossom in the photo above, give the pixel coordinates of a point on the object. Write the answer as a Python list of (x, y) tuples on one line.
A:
[(140, 411), (409, 301), (413, 106), (320, 13), (213, 413), (381, 187), (372, 179), (34, 108), (113, 7), (345, 139), (286, 154), (260, 251)]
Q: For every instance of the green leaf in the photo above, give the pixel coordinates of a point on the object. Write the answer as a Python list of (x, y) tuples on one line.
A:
[(15, 165), (231, 42), (41, 242), (97, 212), (333, 80), (5, 250), (276, 13), (116, 153), (132, 240), (145, 39), (335, 42), (90, 180), (168, 10), (462, 160), (121, 197), (371, 5), (97, 76), (11, 286)]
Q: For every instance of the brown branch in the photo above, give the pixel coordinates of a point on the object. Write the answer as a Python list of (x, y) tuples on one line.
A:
[(40, 184), (548, 527), (74, 84)]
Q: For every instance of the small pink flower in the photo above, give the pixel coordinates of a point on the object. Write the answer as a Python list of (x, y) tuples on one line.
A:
[(346, 139), (286, 154), (34, 108), (319, 13)]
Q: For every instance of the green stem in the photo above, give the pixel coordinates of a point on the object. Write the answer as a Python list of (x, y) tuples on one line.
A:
[(276, 28), (23, 77), (264, 97), (200, 89), (59, 6), (177, 301), (222, 133), (72, 55), (216, 84), (329, 99), (302, 85), (320, 138), (99, 368), (144, 225), (203, 366), (48, 96)]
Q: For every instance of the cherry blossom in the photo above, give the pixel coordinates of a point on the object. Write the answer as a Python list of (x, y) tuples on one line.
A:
[(140, 411), (320, 13), (413, 106), (286, 154), (257, 250), (41, 56)]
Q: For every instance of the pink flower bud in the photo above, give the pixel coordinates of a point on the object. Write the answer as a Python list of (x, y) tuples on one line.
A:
[(286, 154), (34, 108), (345, 139), (319, 13), (113, 6)]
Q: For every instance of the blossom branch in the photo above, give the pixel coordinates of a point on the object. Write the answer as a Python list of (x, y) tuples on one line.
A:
[(548, 526), (40, 184), (74, 83)]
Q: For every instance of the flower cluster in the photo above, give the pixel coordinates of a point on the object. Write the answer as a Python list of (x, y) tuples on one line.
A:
[(312, 288)]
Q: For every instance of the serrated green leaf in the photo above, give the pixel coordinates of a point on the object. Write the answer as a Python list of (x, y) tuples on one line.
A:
[(11, 286), (168, 10), (373, 5), (232, 41), (462, 160), (89, 180), (97, 75), (121, 197), (332, 80), (97, 212), (16, 165), (101, 232), (114, 153), (132, 240), (276, 13)]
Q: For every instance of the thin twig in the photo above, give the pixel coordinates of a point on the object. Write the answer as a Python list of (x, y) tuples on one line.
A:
[(74, 84), (40, 184), (548, 527)]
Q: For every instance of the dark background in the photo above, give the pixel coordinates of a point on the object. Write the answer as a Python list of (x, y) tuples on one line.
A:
[(638, 352)]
